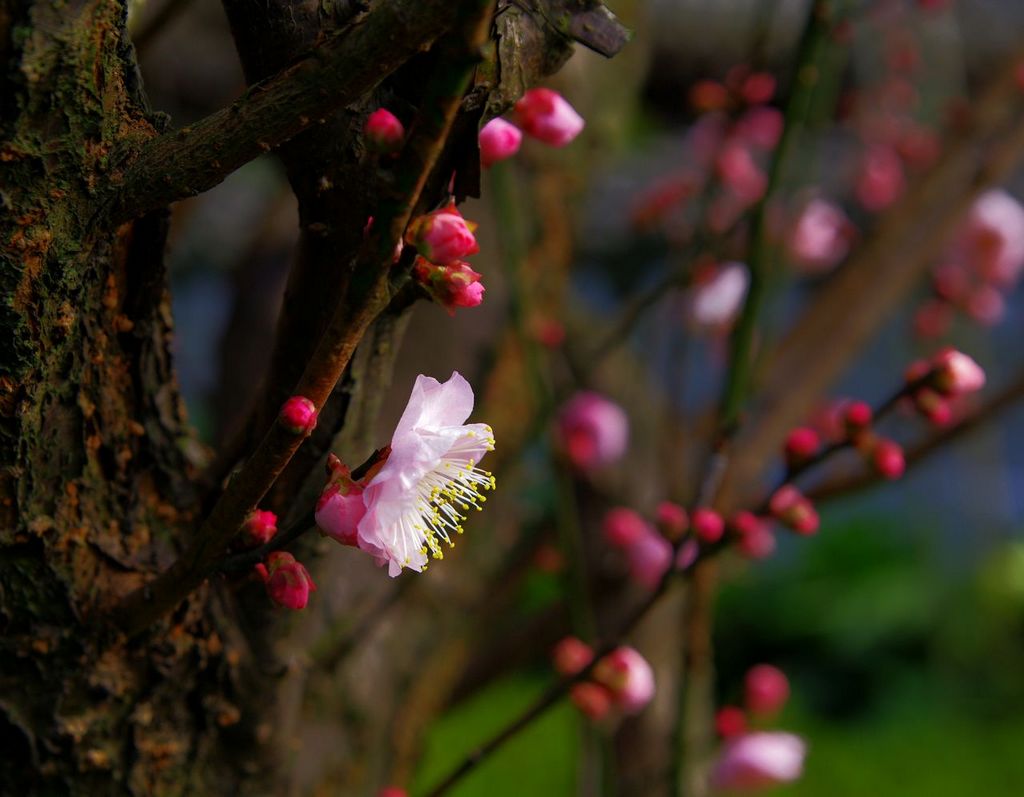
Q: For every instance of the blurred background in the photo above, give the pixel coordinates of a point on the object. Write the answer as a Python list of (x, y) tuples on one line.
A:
[(900, 625)]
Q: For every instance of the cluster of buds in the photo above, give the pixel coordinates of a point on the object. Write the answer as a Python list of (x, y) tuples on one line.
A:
[(981, 266), (442, 238), (933, 384), (288, 583), (621, 682), (542, 114), (793, 509), (755, 759), (592, 431)]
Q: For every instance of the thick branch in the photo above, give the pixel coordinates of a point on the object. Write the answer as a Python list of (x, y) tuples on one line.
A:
[(347, 65), (368, 294)]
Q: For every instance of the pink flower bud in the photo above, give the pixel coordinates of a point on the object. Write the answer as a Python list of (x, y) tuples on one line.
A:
[(756, 539), (571, 655), (629, 678), (986, 305), (298, 415), (384, 133), (933, 406), (498, 140), (887, 459), (623, 527), (545, 115), (287, 581), (759, 760), (452, 285), (648, 557), (708, 525), (592, 430), (766, 689), (801, 444), (730, 721), (392, 791), (593, 700), (671, 519), (956, 373), (260, 527), (442, 236), (789, 506), (857, 416), (340, 507)]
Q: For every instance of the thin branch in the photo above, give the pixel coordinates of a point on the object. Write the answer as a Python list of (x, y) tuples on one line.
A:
[(345, 66), (846, 484), (705, 553), (368, 294)]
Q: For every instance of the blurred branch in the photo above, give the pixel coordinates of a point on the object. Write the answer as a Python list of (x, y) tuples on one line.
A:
[(556, 692), (848, 483), (368, 294), (346, 65), (868, 288)]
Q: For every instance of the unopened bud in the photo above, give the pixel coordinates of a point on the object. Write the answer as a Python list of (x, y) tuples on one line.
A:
[(298, 415), (384, 133)]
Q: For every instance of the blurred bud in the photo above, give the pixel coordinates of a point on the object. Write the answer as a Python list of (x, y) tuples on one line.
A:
[(755, 537), (730, 721), (671, 519), (956, 374), (648, 557), (592, 430), (760, 127), (737, 170), (880, 181), (857, 417), (298, 415), (986, 305), (933, 319), (384, 133), (887, 459), (708, 95), (718, 295), (791, 507), (933, 406), (766, 689), (593, 700), (287, 581), (708, 525), (623, 527), (452, 285), (759, 760), (442, 236), (801, 444), (629, 678), (820, 238), (545, 115), (758, 88), (498, 140), (260, 527), (571, 655)]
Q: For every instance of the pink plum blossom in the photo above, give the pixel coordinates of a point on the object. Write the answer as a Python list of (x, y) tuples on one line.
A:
[(755, 761), (956, 373), (340, 506), (592, 430), (547, 116), (430, 479), (498, 140), (991, 239), (820, 238)]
